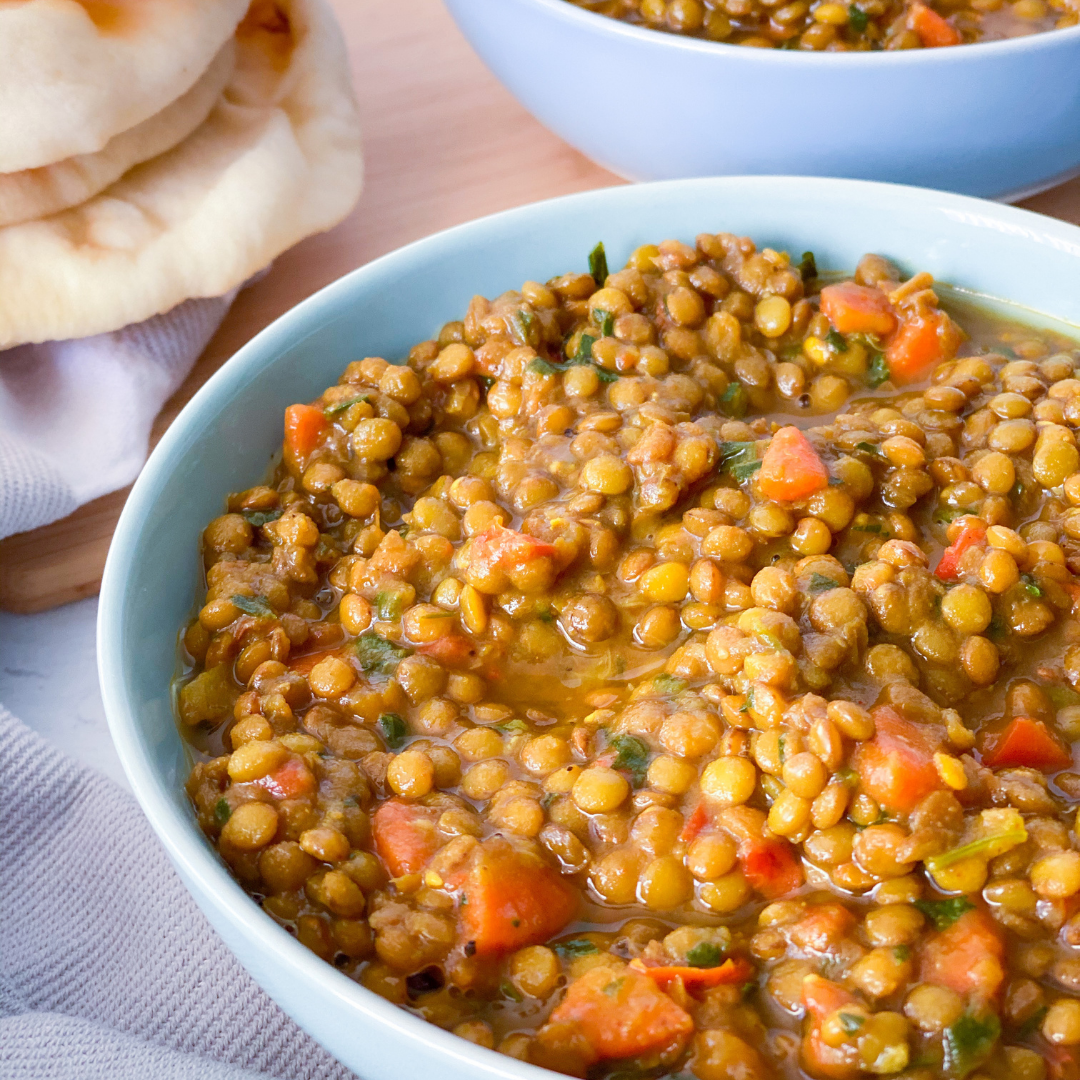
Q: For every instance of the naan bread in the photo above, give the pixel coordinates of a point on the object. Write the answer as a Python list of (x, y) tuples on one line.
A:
[(74, 73), (277, 159), (36, 193)]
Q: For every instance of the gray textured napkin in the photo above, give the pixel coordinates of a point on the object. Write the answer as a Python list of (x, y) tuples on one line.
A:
[(108, 970)]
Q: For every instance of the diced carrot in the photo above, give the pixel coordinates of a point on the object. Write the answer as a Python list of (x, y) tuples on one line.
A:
[(302, 665), (897, 766), (949, 567), (451, 650), (791, 468), (858, 309), (965, 957), (736, 970), (1026, 742), (304, 425), (920, 344), (510, 898), (695, 823), (822, 927), (822, 998), (934, 32), (405, 836), (507, 548), (770, 866), (291, 780), (623, 1013)]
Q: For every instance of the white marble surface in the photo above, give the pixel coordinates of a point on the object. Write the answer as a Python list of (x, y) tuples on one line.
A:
[(48, 678)]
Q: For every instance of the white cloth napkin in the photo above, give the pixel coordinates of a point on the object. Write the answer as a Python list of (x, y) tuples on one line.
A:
[(75, 416), (108, 970)]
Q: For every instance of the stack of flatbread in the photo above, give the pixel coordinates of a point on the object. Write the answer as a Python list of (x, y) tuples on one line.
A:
[(154, 151)]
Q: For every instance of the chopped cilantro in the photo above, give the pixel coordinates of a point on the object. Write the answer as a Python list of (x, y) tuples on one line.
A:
[(632, 757), (545, 615), (388, 605), (867, 527), (526, 320), (509, 990), (575, 947), (513, 725), (993, 844), (605, 320), (868, 448), (259, 518), (668, 684), (486, 381), (969, 1041), (837, 340), (821, 583), (538, 366), (548, 799), (604, 375), (222, 811), (943, 913), (613, 987), (857, 20), (598, 264), (394, 729), (258, 606), (748, 701), (583, 354), (739, 459), (348, 403), (851, 1022), (734, 401), (878, 371), (902, 953), (376, 654), (808, 264), (705, 954), (943, 515), (1030, 585)]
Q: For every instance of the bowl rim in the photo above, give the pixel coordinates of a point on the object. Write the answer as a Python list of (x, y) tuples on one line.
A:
[(189, 852), (582, 17)]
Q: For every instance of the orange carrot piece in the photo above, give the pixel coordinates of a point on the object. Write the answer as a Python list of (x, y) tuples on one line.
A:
[(965, 957), (623, 1013), (451, 650), (510, 898), (302, 665), (897, 766), (823, 927), (770, 866), (405, 836), (791, 469), (736, 970), (1029, 743), (822, 998), (858, 309), (920, 344), (934, 32), (507, 548), (304, 425), (290, 780), (695, 823), (948, 569)]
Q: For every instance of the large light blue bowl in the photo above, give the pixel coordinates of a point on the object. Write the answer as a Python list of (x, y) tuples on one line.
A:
[(225, 437), (998, 120)]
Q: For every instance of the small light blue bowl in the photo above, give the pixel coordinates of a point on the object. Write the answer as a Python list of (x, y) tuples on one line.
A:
[(224, 439), (999, 120)]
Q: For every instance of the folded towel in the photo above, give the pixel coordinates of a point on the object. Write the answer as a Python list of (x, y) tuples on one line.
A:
[(108, 970), (75, 416)]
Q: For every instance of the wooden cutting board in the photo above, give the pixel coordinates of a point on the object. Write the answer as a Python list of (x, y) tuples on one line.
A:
[(444, 143)]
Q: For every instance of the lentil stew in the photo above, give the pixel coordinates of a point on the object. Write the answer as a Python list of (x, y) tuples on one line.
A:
[(835, 26), (672, 672)]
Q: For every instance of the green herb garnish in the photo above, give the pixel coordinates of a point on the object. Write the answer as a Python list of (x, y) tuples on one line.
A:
[(943, 913), (821, 583), (513, 725), (388, 605), (540, 366), (734, 401), (851, 1022), (1008, 837), (525, 320), (258, 606), (259, 518), (341, 406), (1030, 585), (486, 381), (632, 757), (868, 448), (583, 354), (968, 1043), (668, 684), (575, 947), (878, 371), (705, 954), (902, 953), (545, 615), (1032, 1023), (604, 375), (394, 729), (857, 20), (376, 654), (605, 320), (222, 811), (837, 340), (739, 459), (1061, 696), (808, 264), (598, 264), (868, 527), (509, 990)]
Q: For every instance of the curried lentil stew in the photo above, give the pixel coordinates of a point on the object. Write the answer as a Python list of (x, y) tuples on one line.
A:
[(836, 26), (672, 673)]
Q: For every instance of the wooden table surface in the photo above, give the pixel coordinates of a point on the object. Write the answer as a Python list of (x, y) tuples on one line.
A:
[(444, 143)]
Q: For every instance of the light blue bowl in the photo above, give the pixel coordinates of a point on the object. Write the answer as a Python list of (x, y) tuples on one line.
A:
[(999, 120), (224, 438)]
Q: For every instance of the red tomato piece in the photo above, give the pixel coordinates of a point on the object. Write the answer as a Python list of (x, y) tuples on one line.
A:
[(858, 309), (949, 567), (733, 971), (770, 866), (1028, 743), (791, 468)]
